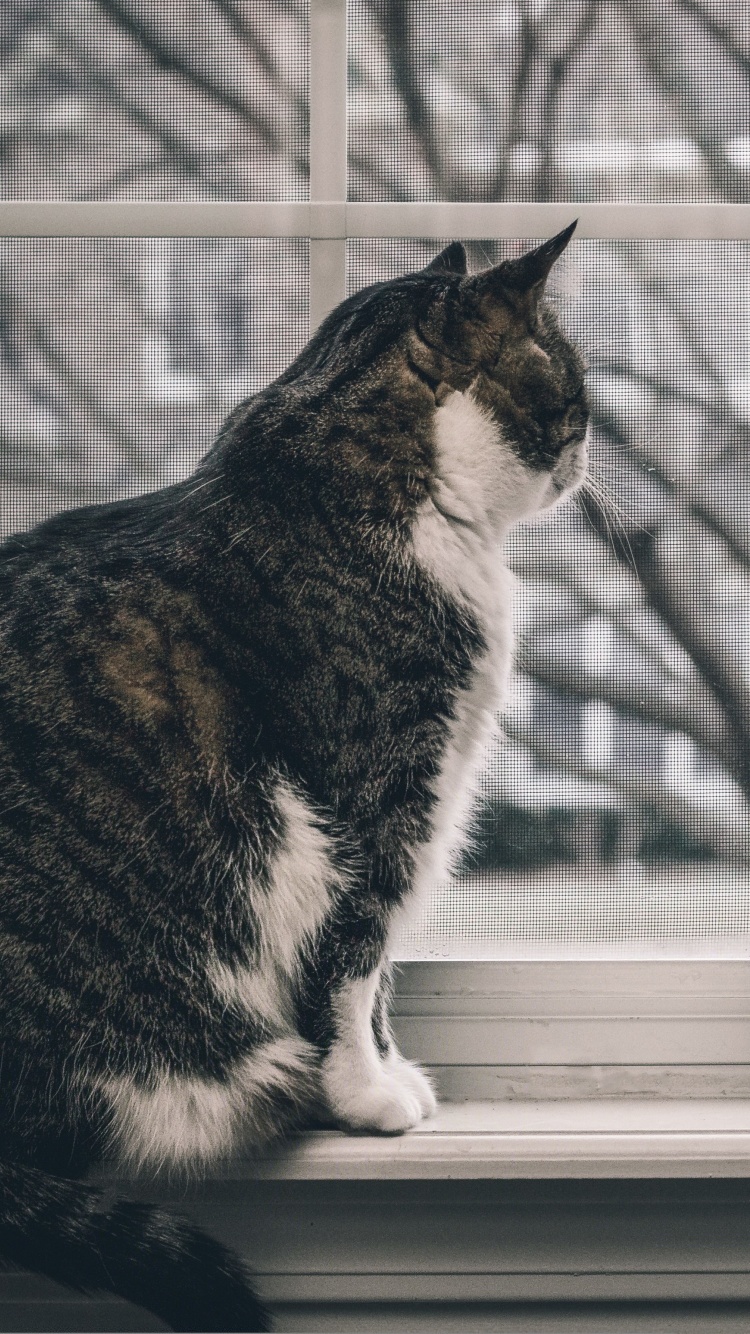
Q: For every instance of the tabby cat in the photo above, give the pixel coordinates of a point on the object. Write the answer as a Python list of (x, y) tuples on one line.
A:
[(239, 721)]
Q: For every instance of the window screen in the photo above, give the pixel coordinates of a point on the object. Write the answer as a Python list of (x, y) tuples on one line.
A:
[(113, 99), (548, 99), (120, 357), (613, 814)]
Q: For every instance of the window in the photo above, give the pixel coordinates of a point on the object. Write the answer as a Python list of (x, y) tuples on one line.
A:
[(159, 158)]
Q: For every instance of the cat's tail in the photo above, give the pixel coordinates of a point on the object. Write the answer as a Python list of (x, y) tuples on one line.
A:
[(67, 1231)]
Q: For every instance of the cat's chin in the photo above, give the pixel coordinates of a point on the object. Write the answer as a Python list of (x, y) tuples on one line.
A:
[(393, 1102)]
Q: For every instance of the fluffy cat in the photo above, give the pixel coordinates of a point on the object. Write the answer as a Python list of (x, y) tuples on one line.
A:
[(239, 722)]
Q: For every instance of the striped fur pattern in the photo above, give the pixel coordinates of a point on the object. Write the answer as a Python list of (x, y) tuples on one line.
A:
[(239, 723)]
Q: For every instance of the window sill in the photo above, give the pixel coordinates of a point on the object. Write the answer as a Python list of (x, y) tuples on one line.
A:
[(589, 1138), (490, 1202)]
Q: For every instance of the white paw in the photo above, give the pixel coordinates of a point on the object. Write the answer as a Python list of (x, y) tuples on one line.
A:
[(414, 1081), (385, 1106)]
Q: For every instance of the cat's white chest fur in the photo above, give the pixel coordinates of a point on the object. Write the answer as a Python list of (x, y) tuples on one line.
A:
[(480, 490)]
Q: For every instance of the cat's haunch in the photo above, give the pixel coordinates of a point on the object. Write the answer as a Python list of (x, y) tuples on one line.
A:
[(240, 721)]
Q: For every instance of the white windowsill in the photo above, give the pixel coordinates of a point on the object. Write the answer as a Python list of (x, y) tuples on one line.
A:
[(545, 1139), (488, 1203)]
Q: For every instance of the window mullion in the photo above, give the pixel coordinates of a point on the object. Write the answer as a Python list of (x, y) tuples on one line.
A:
[(327, 149)]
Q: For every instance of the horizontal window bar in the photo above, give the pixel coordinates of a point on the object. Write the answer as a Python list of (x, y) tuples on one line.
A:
[(334, 220), (595, 221), (605, 1013), (163, 218), (446, 984)]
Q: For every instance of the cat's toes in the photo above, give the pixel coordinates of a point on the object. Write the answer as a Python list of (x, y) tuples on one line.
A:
[(385, 1108), (411, 1078)]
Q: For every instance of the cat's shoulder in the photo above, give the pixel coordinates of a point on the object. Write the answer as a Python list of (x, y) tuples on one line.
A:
[(87, 529)]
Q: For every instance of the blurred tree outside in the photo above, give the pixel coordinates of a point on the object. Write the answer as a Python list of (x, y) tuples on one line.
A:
[(629, 731)]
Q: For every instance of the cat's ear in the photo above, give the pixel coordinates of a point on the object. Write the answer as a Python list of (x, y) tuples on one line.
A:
[(521, 281), (531, 271), (450, 260)]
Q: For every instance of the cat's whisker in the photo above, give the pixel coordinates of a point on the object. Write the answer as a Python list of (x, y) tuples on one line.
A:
[(221, 501), (238, 538), (597, 487), (612, 515), (193, 491)]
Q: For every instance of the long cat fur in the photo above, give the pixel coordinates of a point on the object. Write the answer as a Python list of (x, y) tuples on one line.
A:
[(239, 720)]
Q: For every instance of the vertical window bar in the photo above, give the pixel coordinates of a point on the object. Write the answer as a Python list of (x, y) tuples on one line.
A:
[(327, 149)]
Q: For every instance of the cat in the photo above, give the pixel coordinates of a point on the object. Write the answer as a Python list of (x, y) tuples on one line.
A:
[(239, 723)]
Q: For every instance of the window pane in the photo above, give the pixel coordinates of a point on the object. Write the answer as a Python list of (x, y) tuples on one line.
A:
[(549, 99), (615, 813), (614, 816), (119, 358), (120, 99)]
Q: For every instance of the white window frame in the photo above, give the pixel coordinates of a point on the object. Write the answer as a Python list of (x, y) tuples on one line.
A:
[(577, 1028)]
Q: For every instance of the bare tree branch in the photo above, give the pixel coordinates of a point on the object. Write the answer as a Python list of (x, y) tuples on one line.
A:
[(660, 387), (719, 31), (644, 24), (672, 594), (167, 58), (668, 299), (641, 680), (384, 184), (556, 75), (727, 833), (264, 60), (498, 185), (183, 158), (78, 389), (639, 694), (393, 18)]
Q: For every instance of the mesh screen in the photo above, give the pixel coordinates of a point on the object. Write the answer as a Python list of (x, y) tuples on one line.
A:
[(119, 358), (555, 99), (614, 816), (117, 99)]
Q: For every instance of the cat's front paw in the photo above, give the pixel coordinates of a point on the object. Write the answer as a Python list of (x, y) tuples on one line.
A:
[(394, 1098), (383, 1107), (414, 1081)]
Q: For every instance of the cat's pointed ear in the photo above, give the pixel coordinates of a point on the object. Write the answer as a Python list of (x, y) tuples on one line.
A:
[(521, 281), (450, 260), (532, 270)]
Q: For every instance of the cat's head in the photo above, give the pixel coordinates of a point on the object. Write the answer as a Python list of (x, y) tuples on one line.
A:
[(494, 334), (490, 337)]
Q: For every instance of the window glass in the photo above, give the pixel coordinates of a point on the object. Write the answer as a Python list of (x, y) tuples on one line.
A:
[(119, 358), (614, 813), (549, 99), (121, 99)]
